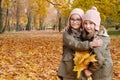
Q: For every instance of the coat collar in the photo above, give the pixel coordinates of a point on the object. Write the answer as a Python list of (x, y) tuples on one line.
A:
[(103, 33), (75, 33)]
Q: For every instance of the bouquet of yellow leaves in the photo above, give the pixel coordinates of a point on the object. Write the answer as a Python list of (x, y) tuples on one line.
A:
[(81, 61)]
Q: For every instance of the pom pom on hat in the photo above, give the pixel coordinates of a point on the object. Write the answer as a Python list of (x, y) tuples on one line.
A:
[(94, 16), (94, 8)]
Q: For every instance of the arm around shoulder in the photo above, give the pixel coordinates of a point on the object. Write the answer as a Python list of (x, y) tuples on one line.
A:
[(71, 42)]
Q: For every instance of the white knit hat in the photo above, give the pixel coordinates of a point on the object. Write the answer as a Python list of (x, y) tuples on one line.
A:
[(94, 16)]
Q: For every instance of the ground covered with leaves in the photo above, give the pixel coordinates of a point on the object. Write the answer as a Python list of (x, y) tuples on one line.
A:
[(35, 55)]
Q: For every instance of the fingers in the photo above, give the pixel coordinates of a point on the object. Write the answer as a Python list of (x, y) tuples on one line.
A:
[(100, 42), (97, 42), (87, 72)]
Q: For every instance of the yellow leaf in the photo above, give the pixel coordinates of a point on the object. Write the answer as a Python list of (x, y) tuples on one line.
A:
[(22, 77), (33, 76), (90, 78), (79, 69), (2, 79), (81, 61), (80, 56)]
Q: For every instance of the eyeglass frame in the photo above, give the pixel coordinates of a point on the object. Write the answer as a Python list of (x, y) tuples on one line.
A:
[(75, 20)]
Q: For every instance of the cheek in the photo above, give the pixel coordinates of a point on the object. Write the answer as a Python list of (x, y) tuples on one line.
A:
[(80, 23), (85, 27), (70, 24), (93, 27)]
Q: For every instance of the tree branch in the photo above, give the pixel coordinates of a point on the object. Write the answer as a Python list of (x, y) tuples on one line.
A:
[(55, 4)]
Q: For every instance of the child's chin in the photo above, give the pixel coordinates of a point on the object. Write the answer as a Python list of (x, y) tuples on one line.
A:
[(89, 31)]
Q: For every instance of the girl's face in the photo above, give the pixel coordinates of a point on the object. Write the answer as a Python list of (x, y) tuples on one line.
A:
[(75, 21), (89, 26)]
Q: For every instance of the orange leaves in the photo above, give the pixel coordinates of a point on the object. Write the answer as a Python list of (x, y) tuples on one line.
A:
[(115, 51), (81, 60), (30, 55), (36, 55)]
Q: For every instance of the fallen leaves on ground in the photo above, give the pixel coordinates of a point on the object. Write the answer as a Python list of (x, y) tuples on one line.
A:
[(35, 55), (115, 51), (30, 55)]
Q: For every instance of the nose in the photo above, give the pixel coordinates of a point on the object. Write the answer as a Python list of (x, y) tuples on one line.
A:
[(88, 26), (75, 21)]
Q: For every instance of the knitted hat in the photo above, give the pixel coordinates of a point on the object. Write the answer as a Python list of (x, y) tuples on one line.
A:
[(94, 16), (78, 11)]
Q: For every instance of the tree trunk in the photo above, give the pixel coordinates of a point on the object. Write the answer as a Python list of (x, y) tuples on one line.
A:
[(34, 21), (18, 15), (59, 20), (7, 22), (59, 25), (41, 23), (1, 18), (28, 26)]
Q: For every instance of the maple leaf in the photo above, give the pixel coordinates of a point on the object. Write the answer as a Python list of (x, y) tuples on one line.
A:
[(79, 57), (81, 61), (89, 78)]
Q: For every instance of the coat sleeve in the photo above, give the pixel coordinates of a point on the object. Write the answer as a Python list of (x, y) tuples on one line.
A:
[(100, 55), (72, 43)]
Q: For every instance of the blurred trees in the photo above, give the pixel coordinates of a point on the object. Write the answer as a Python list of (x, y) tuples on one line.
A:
[(63, 9), (109, 9), (17, 15), (22, 14), (41, 11)]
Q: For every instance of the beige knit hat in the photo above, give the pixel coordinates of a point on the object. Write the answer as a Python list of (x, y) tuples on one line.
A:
[(78, 11), (94, 16)]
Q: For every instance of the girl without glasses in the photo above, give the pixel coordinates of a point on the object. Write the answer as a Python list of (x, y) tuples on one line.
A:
[(103, 69)]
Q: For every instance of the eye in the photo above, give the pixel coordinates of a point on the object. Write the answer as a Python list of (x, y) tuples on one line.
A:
[(91, 23), (85, 23), (71, 19)]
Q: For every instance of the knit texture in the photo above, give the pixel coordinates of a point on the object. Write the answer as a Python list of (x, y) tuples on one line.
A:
[(94, 16)]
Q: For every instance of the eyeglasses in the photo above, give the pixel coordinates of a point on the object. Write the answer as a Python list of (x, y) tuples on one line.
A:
[(75, 20)]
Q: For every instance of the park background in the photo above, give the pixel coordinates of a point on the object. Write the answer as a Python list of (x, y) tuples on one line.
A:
[(31, 35)]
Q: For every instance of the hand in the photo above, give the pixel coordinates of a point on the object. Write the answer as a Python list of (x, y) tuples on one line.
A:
[(87, 72), (66, 28), (96, 42)]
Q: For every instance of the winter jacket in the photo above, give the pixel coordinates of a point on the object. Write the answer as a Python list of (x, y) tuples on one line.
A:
[(104, 68), (71, 43)]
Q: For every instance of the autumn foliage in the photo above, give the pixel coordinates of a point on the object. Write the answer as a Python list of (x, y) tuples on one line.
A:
[(36, 55), (29, 55), (82, 60), (115, 51)]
